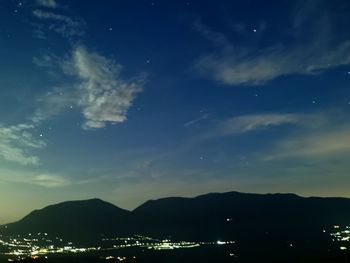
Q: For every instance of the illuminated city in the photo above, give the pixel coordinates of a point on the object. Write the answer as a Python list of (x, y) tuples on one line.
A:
[(42, 245)]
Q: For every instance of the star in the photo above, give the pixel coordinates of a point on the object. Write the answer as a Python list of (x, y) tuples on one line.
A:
[(148, 61), (201, 158), (110, 29), (254, 30), (41, 135)]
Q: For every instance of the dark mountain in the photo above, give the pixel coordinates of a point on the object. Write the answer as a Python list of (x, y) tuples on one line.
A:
[(213, 216), (267, 228), (236, 214), (76, 220)]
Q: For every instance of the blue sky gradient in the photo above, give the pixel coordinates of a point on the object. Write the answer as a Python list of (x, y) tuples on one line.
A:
[(133, 100)]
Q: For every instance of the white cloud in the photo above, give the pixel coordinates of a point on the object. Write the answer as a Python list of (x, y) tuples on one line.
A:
[(102, 94), (248, 123), (47, 3), (15, 140), (99, 92), (49, 180)]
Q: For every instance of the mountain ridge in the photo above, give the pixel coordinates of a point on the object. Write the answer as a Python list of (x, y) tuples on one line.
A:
[(197, 217)]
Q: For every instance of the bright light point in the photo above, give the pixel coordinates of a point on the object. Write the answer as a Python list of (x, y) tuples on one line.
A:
[(343, 248), (254, 30)]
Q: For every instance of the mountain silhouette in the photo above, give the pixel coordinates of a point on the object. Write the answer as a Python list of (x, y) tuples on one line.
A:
[(211, 216), (77, 220), (232, 214)]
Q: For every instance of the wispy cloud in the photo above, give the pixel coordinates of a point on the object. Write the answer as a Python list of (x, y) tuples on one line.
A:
[(62, 24), (99, 90), (46, 60), (47, 3), (237, 64), (316, 135), (103, 95), (249, 123), (50, 180), (194, 121), (251, 67), (16, 140), (32, 177), (93, 85), (314, 145), (53, 103), (217, 38)]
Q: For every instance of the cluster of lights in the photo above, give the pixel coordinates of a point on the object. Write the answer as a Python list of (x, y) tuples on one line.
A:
[(156, 244), (340, 234), (40, 245), (120, 259), (35, 245)]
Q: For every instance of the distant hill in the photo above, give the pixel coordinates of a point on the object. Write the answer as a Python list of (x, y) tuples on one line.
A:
[(231, 215), (74, 219)]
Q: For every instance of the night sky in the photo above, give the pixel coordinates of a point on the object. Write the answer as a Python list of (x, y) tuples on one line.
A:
[(130, 100)]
